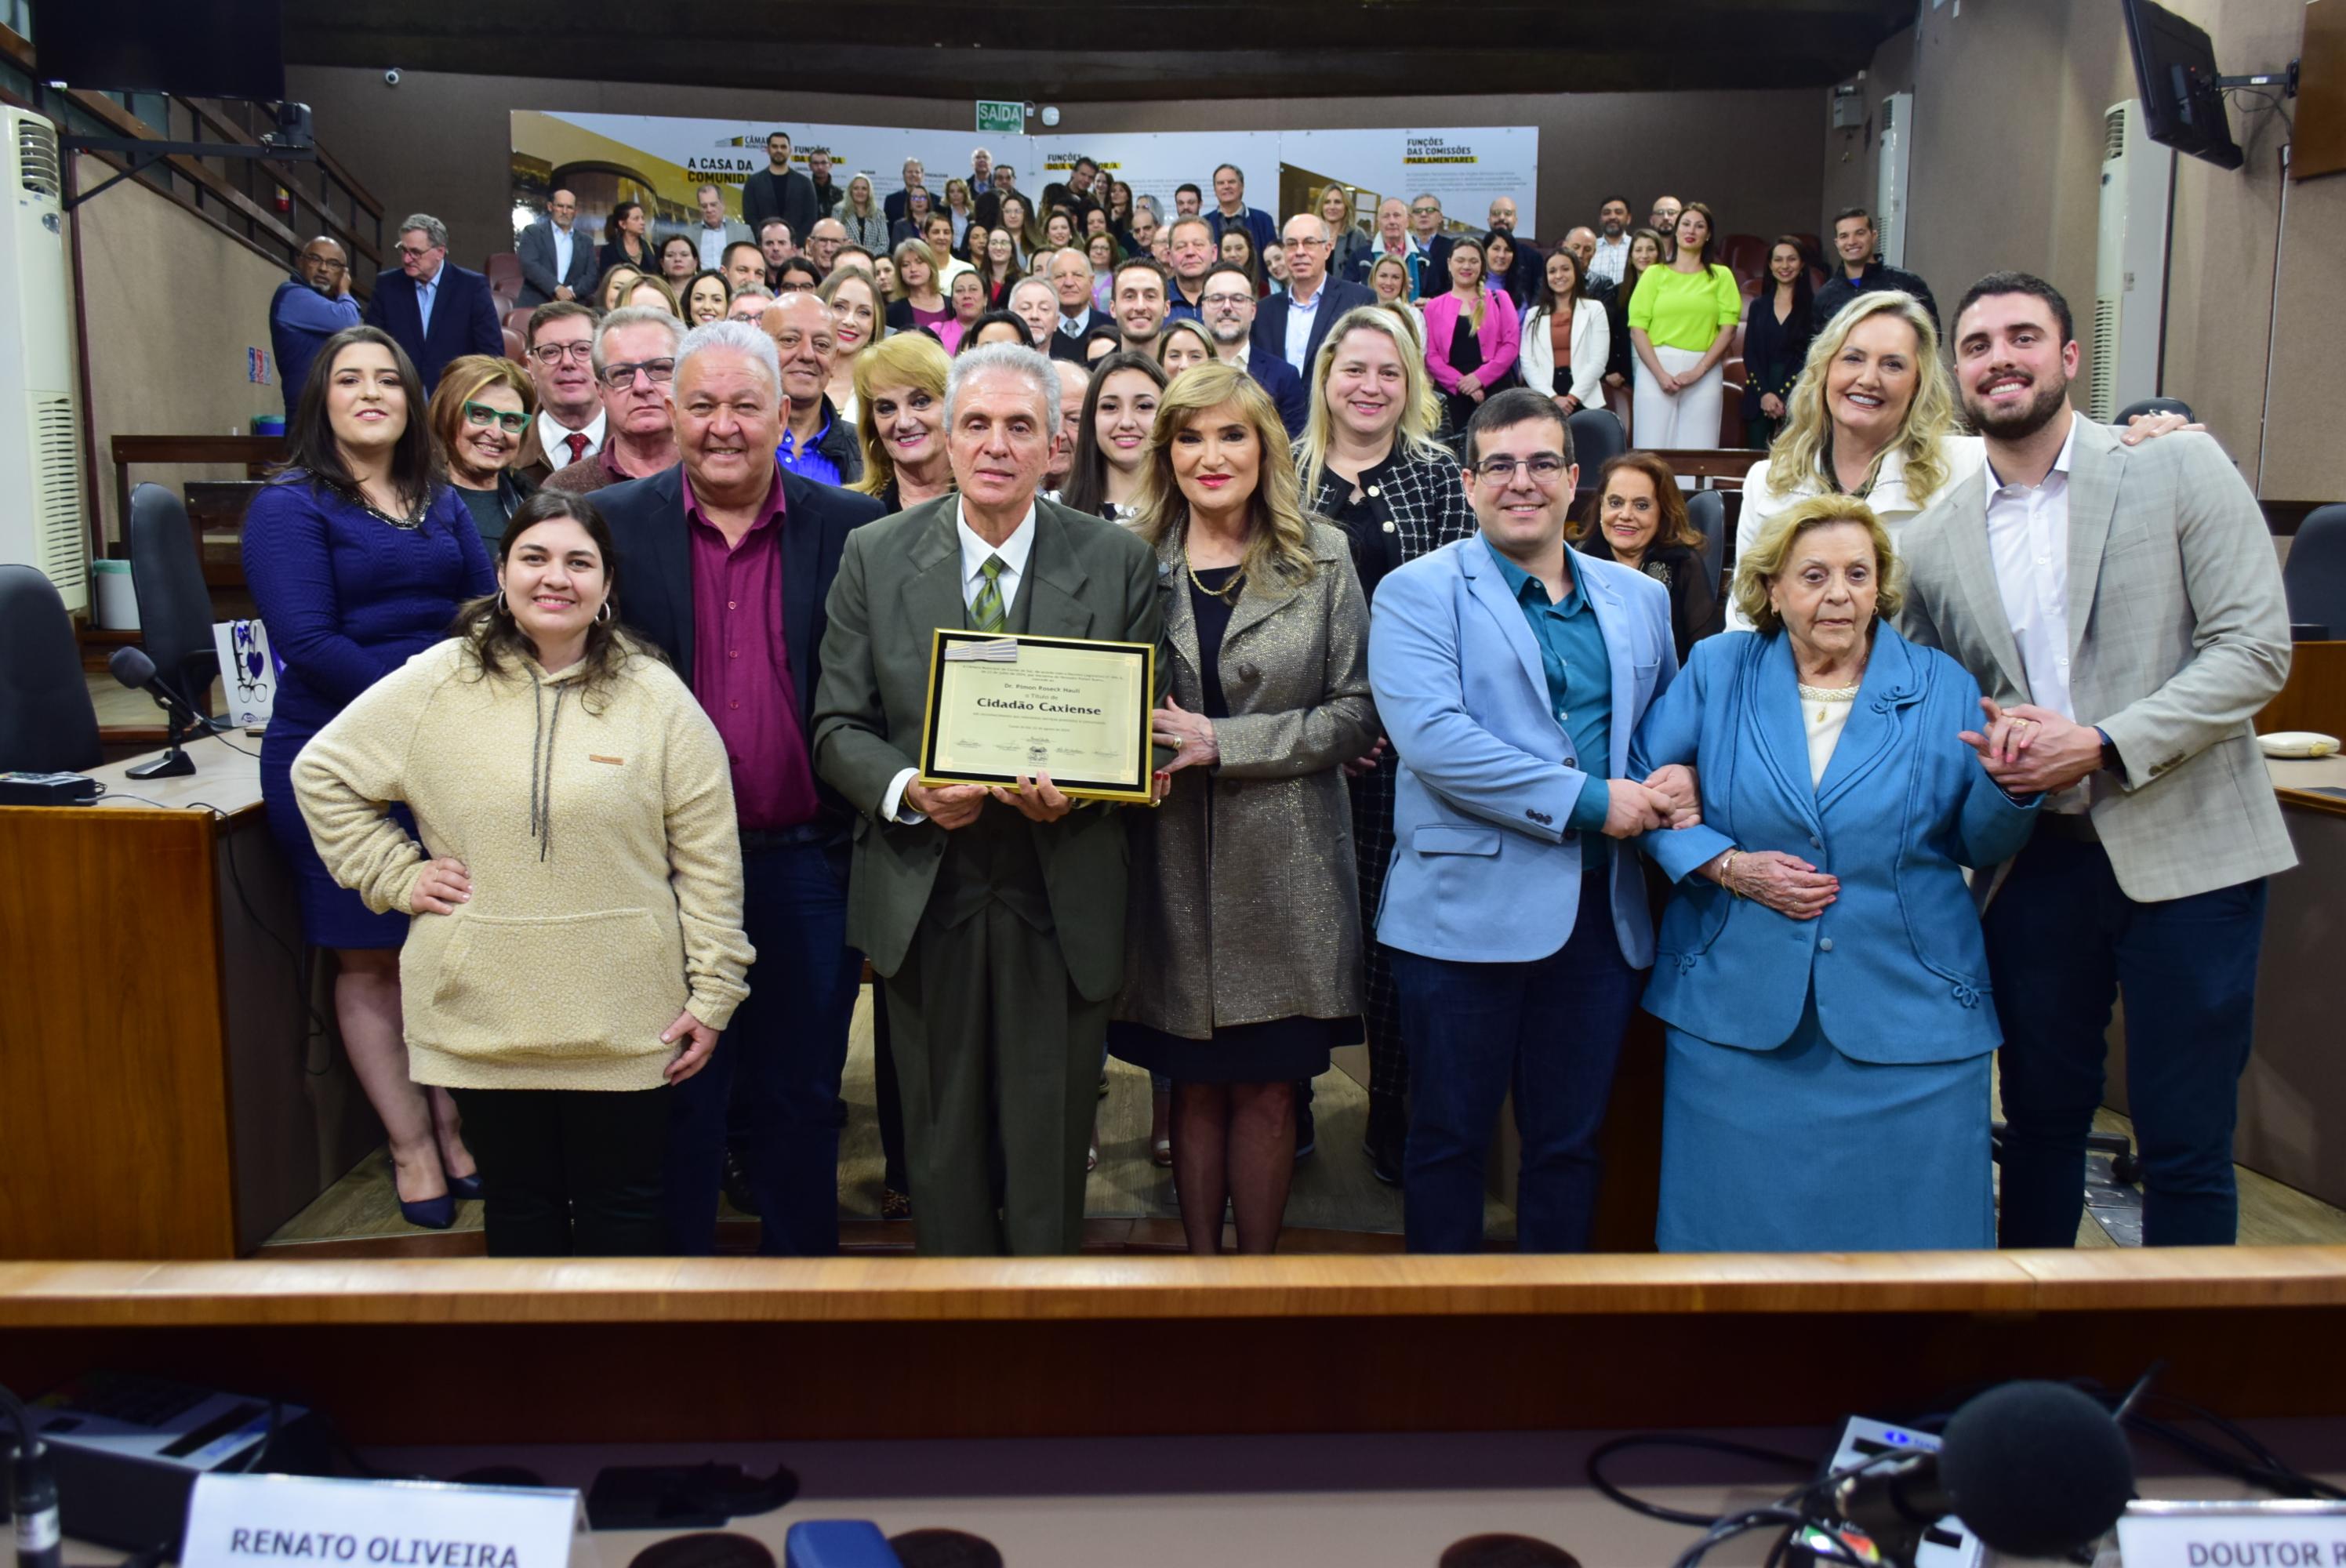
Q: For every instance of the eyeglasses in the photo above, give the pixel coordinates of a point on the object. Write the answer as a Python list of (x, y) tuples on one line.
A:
[(555, 353), (619, 378), (1424, 212), (417, 252), (511, 421), (325, 263), (1546, 468), (1220, 299)]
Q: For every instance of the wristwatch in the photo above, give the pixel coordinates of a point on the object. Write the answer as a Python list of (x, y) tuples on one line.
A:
[(2111, 761)]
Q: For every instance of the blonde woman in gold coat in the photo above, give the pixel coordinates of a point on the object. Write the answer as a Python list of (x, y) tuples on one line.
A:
[(1244, 945)]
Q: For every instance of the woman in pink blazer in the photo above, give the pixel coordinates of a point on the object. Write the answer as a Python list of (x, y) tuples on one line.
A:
[(1471, 337)]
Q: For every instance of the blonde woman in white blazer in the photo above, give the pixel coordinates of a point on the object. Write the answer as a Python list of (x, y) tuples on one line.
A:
[(1591, 337)]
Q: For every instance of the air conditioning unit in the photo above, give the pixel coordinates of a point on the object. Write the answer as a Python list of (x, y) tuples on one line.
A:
[(41, 521), (2130, 263), (1890, 192)]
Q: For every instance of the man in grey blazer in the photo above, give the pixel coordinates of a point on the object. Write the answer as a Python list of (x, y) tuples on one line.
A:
[(556, 262), (994, 916), (2123, 607)]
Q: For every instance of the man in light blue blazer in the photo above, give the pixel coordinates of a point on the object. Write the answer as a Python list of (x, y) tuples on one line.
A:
[(1510, 672)]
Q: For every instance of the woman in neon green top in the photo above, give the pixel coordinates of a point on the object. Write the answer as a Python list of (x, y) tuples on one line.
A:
[(1681, 321)]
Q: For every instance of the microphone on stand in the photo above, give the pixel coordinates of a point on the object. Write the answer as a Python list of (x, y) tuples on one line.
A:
[(134, 670), (2034, 1469)]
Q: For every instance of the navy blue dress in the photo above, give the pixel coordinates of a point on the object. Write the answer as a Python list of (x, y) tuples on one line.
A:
[(347, 599)]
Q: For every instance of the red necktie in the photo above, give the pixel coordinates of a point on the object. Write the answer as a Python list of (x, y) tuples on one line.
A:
[(578, 442)]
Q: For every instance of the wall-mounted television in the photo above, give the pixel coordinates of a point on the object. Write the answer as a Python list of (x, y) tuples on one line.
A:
[(2182, 101)]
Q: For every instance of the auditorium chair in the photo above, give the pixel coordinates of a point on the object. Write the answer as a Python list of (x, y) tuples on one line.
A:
[(504, 272), (1745, 255), (1621, 403), (1706, 513), (2314, 575), (515, 318), (1597, 438), (175, 604), (48, 723), (515, 351), (1733, 378)]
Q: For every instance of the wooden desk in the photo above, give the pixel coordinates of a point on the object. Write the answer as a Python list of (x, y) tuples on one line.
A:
[(2314, 697), (757, 1349), (160, 1092)]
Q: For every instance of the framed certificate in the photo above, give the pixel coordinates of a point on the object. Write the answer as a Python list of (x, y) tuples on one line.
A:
[(1000, 706)]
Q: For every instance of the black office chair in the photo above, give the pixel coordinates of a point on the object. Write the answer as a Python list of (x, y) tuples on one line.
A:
[(2314, 575), (1598, 439), (175, 606), (1706, 511), (2153, 405), (48, 723)]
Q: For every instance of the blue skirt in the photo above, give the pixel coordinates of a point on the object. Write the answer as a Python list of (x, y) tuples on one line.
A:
[(332, 915), (1801, 1149)]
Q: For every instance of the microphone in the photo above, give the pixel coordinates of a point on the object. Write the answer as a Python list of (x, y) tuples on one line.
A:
[(133, 668), (2034, 1469)]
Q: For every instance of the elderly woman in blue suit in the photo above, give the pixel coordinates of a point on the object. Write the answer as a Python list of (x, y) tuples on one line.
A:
[(1820, 970)]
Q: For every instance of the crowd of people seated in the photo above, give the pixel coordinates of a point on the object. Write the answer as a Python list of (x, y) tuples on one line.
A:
[(1444, 717)]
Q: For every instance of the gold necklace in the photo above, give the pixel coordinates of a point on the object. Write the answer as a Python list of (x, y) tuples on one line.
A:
[(1225, 593)]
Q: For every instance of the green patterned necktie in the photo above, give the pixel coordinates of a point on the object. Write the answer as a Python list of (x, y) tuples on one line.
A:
[(985, 612)]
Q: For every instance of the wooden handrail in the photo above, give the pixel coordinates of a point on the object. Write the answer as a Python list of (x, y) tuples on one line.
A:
[(849, 1290), (287, 174), (128, 124)]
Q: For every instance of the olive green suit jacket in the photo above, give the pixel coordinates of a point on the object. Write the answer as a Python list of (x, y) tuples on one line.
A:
[(899, 580)]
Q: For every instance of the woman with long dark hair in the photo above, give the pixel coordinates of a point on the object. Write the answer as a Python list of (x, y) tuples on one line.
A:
[(1681, 321), (1637, 517), (628, 245), (679, 259), (1112, 442), (572, 955), (1566, 338), (1776, 333), (358, 553)]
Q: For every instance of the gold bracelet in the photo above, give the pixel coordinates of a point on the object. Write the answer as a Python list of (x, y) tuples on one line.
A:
[(1724, 868)]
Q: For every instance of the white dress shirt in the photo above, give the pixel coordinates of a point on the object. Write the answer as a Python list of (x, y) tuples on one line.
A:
[(554, 439), (2029, 541), (712, 247), (1301, 314), (563, 240), (1077, 326), (975, 551), (1612, 256)]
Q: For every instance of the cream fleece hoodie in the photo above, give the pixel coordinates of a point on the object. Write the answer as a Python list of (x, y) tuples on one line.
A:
[(605, 860)]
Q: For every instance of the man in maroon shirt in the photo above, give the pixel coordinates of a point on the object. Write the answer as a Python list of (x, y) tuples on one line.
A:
[(727, 562)]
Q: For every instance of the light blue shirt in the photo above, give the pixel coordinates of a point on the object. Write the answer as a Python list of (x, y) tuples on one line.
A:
[(425, 288), (562, 243), (1301, 314)]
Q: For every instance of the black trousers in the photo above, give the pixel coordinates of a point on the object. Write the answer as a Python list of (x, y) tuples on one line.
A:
[(569, 1172)]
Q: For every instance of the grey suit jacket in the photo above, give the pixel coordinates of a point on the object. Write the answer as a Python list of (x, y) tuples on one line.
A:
[(899, 580), (538, 258), (2178, 634)]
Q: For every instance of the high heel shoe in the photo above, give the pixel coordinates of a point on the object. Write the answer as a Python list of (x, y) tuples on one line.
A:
[(431, 1213), (466, 1188)]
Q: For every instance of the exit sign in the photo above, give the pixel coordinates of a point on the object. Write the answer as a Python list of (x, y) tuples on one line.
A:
[(999, 116)]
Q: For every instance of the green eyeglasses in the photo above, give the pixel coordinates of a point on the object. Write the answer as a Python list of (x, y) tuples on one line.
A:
[(513, 423)]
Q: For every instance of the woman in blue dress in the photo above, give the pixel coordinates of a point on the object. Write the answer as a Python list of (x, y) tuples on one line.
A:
[(1819, 968), (358, 556)]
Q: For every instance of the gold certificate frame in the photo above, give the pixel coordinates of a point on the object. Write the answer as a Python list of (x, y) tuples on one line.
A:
[(1075, 708)]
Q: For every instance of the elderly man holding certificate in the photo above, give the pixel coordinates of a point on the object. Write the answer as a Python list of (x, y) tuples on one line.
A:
[(988, 881)]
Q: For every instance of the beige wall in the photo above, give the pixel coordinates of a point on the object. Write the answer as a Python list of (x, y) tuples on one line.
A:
[(2009, 98), (440, 143), (172, 305)]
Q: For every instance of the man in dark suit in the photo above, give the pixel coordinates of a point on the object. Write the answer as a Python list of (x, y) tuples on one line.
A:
[(1291, 326), (1072, 279), (557, 264), (1227, 311), (827, 196), (778, 191), (988, 207), (994, 915), (431, 308), (727, 554), (897, 203)]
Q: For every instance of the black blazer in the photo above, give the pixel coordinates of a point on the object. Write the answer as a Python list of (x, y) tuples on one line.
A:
[(788, 197), (653, 551), (1280, 379), (1696, 609), (1773, 350), (1269, 336), (464, 318), (538, 257)]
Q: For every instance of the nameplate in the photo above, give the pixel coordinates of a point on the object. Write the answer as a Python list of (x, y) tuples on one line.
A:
[(247, 1520), (2285, 1533)]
